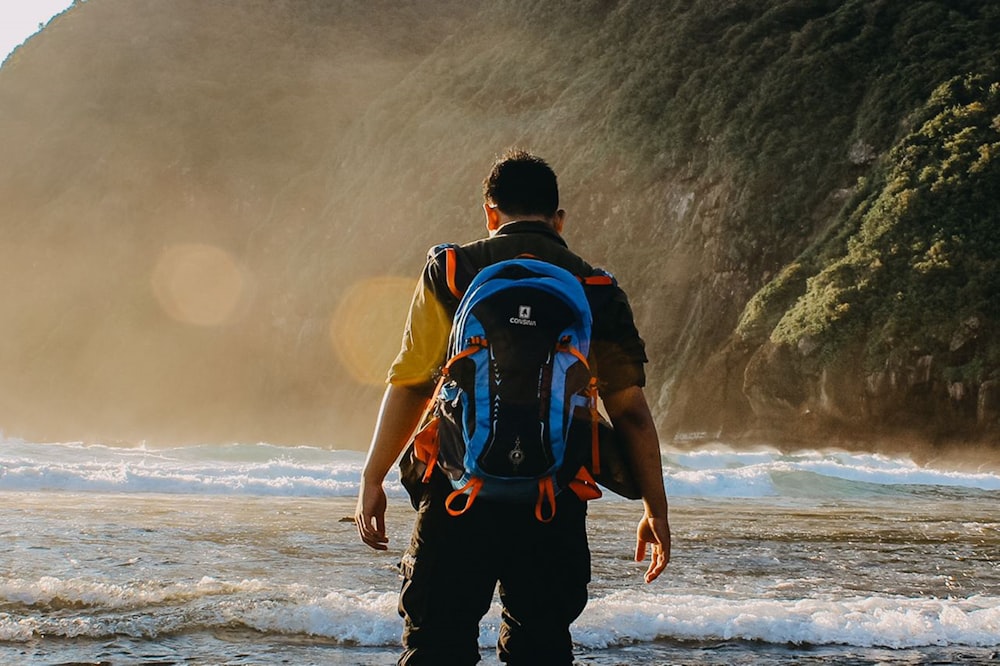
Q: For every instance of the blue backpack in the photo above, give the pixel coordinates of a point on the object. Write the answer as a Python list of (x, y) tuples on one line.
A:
[(516, 380)]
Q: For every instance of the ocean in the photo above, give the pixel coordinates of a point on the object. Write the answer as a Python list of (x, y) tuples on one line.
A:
[(241, 554)]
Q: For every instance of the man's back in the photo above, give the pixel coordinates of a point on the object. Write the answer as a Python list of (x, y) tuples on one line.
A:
[(454, 562)]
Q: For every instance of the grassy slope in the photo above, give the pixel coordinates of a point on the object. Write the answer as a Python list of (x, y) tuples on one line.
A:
[(911, 278), (793, 103)]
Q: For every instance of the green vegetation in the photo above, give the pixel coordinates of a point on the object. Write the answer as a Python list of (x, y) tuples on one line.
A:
[(920, 273), (775, 95)]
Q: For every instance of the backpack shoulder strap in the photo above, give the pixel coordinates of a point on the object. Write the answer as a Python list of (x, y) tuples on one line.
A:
[(601, 288), (599, 278), (448, 273)]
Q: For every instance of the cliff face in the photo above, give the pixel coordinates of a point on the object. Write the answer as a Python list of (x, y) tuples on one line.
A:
[(214, 212), (894, 329)]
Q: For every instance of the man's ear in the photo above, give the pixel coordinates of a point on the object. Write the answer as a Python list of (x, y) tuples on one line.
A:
[(492, 217), (558, 220)]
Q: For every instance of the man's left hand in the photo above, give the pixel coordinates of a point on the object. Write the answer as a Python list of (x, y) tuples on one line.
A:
[(653, 532)]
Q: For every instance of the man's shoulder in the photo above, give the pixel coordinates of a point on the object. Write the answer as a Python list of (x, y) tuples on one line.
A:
[(452, 266), (487, 251)]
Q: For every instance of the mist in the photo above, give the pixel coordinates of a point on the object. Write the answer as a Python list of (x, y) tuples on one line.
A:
[(214, 213), (171, 267)]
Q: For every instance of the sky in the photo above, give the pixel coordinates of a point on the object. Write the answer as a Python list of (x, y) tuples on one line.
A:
[(19, 20)]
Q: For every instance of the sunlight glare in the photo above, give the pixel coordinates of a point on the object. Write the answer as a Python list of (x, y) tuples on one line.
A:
[(199, 284), (365, 329)]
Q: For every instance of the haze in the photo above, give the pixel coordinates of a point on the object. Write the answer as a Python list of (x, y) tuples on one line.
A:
[(203, 202), (173, 264)]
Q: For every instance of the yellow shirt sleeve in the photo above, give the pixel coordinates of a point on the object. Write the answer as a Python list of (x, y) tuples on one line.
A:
[(425, 340)]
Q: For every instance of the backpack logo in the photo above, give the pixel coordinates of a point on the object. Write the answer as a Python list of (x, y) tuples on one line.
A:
[(523, 317)]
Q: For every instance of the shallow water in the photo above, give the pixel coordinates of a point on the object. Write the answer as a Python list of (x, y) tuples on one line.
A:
[(815, 558)]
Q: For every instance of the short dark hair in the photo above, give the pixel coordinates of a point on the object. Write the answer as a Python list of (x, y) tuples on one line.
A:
[(522, 184)]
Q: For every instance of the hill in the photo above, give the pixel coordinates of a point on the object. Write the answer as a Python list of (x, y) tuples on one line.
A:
[(204, 200)]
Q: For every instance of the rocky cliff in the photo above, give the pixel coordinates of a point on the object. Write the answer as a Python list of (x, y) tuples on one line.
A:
[(214, 211)]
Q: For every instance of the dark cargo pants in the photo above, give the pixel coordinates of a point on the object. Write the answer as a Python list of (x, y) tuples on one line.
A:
[(453, 565)]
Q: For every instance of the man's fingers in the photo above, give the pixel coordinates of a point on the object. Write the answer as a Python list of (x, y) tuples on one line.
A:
[(378, 542), (369, 516), (654, 533), (658, 562), (372, 533), (369, 528)]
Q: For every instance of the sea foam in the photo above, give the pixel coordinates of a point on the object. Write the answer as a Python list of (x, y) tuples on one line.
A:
[(268, 470), (368, 618), (877, 621)]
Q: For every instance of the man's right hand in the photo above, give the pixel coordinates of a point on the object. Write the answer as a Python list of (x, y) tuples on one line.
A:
[(369, 515), (398, 417)]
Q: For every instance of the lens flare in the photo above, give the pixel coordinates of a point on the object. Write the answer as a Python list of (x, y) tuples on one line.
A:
[(367, 326), (199, 284)]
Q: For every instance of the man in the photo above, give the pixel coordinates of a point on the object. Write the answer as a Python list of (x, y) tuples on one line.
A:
[(454, 563)]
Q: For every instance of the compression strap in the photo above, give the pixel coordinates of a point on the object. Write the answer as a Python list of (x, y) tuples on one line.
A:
[(546, 493), (473, 486)]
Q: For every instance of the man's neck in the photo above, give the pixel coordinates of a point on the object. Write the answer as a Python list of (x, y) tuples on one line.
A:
[(507, 219), (536, 219), (496, 218)]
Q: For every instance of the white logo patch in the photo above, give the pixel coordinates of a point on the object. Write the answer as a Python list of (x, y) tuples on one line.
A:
[(523, 317)]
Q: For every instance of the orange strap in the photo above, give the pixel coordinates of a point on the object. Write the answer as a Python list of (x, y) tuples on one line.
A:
[(595, 442), (584, 486), (425, 443), (429, 407), (546, 491), (426, 446), (473, 486), (566, 345), (475, 344), (449, 265), (598, 280), (576, 352)]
